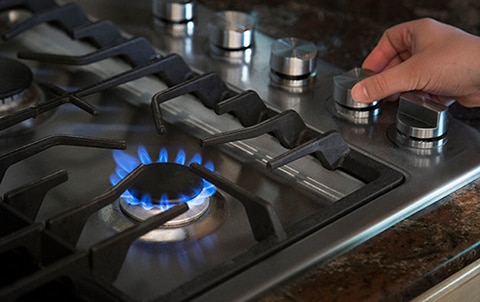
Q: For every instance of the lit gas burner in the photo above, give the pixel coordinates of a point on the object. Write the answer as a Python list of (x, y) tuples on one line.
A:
[(164, 184)]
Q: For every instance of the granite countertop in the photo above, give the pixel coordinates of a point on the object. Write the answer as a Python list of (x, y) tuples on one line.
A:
[(400, 263), (424, 249)]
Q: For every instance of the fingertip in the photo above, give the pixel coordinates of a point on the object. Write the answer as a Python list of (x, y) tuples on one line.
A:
[(360, 93)]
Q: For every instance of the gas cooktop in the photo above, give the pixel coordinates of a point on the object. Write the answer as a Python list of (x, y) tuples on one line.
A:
[(159, 151)]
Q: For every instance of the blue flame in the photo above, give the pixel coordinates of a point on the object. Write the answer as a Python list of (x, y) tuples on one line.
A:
[(126, 163)]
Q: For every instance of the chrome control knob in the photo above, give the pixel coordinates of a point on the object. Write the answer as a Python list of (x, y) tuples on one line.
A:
[(421, 121), (292, 57), (231, 30), (173, 11), (342, 95), (342, 89)]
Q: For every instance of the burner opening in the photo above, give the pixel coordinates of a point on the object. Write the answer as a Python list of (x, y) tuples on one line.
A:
[(167, 181)]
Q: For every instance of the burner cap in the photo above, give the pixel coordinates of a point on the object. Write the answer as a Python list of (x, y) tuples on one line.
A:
[(167, 179), (15, 77)]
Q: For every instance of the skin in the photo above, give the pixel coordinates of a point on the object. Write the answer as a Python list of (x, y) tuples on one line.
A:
[(426, 56)]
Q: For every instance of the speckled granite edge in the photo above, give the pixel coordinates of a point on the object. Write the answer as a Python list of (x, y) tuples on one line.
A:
[(400, 263)]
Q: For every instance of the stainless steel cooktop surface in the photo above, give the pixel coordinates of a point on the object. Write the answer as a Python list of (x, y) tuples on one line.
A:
[(279, 168)]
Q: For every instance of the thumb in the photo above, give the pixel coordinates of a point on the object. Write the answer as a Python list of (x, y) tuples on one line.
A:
[(381, 85)]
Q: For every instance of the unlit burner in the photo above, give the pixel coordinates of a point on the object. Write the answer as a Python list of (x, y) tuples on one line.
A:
[(163, 185), (16, 86)]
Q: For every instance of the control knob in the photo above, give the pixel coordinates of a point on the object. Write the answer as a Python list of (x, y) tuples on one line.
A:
[(231, 30), (292, 61), (173, 11), (342, 95), (293, 57), (421, 122)]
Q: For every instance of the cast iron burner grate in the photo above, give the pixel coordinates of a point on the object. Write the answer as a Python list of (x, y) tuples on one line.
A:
[(38, 262)]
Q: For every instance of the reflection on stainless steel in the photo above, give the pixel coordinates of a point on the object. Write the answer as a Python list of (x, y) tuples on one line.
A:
[(8, 18)]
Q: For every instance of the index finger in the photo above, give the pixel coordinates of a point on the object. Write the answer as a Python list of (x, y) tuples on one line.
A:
[(393, 47)]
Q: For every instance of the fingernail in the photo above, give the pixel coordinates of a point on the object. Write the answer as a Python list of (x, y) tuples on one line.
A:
[(359, 93)]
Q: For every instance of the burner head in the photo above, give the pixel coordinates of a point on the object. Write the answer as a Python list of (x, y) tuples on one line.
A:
[(162, 184), (167, 181), (15, 78), (18, 91), (166, 184)]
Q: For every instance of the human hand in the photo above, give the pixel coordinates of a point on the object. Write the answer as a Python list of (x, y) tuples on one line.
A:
[(423, 55)]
